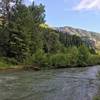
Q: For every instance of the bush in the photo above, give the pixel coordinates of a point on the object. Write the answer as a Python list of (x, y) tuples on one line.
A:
[(12, 61), (83, 55), (72, 56), (94, 59), (68, 58), (4, 64), (39, 57), (57, 60)]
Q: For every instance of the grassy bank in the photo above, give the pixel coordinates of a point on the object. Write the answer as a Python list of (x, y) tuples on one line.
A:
[(70, 57), (4, 64)]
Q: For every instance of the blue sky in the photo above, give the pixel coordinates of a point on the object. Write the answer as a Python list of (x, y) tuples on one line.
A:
[(76, 13)]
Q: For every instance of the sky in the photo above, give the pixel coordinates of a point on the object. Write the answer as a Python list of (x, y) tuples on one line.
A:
[(83, 14)]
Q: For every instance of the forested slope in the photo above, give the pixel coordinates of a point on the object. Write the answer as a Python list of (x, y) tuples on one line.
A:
[(25, 39)]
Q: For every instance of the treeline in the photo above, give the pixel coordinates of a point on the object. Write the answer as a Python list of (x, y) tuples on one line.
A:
[(26, 39)]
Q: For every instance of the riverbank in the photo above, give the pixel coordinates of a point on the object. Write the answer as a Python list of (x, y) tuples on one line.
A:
[(11, 68), (36, 67), (72, 57)]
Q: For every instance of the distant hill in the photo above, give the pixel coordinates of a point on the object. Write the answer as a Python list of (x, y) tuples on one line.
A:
[(93, 36)]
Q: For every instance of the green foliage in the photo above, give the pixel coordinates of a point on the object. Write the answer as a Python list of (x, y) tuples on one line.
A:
[(57, 60), (94, 59), (83, 55), (26, 39), (22, 36), (96, 98), (51, 41), (63, 59), (39, 57), (70, 40), (72, 55), (4, 64)]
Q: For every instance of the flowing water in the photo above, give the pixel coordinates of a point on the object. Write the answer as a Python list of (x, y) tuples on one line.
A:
[(59, 84)]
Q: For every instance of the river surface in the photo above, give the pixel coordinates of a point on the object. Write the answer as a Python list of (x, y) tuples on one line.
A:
[(59, 84)]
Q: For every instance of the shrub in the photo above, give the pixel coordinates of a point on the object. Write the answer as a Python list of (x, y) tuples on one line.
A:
[(68, 58), (4, 64), (94, 59), (72, 56), (83, 55), (39, 57), (58, 60)]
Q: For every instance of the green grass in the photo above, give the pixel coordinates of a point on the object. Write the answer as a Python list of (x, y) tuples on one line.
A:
[(99, 52), (96, 98), (4, 64)]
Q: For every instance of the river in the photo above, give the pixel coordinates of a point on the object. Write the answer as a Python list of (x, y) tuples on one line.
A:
[(59, 84)]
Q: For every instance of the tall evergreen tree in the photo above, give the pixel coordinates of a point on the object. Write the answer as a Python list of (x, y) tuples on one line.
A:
[(22, 32)]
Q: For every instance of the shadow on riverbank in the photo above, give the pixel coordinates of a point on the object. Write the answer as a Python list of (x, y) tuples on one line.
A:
[(36, 67)]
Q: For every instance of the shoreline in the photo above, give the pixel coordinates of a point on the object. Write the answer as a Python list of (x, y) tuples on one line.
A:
[(8, 69), (34, 68)]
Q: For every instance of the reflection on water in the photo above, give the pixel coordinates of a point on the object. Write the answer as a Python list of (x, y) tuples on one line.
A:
[(60, 84)]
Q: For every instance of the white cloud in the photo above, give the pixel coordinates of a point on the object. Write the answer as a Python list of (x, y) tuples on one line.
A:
[(88, 5)]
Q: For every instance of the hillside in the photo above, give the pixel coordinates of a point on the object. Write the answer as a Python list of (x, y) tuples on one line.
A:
[(82, 33)]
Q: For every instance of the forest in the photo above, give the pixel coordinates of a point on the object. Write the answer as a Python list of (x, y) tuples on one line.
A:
[(25, 39)]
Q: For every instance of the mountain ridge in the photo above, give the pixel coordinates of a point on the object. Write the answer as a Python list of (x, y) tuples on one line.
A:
[(77, 28), (94, 36)]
